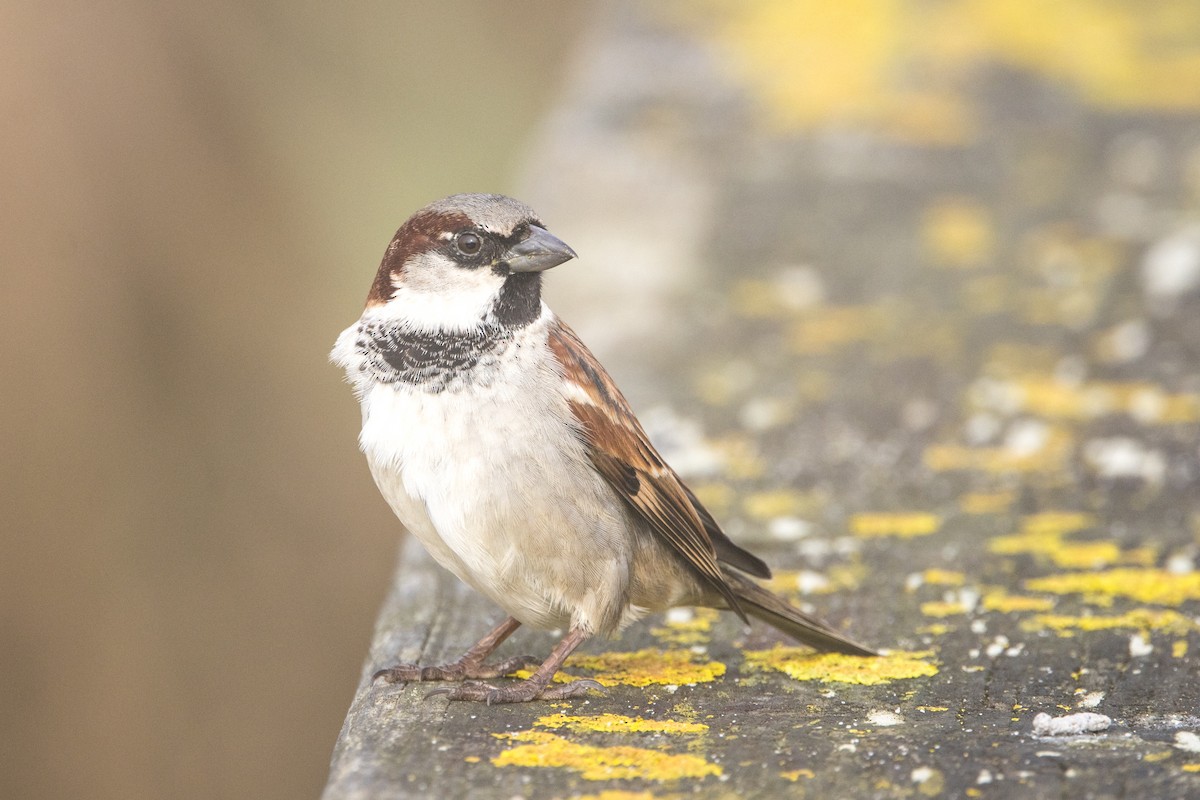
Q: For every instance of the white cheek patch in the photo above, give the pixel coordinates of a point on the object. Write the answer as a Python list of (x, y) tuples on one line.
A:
[(437, 294)]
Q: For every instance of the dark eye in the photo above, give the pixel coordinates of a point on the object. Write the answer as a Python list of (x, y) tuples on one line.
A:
[(468, 243)]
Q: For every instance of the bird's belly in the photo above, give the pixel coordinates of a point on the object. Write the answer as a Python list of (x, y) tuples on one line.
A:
[(513, 509)]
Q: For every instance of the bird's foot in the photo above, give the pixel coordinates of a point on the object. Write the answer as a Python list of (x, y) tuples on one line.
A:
[(455, 671), (522, 692)]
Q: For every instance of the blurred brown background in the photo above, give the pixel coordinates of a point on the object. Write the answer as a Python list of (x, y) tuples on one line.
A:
[(196, 198)]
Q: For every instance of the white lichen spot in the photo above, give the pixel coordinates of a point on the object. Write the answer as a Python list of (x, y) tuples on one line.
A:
[(919, 414), (885, 719), (1140, 646), (680, 616), (1187, 741), (763, 413), (1172, 268), (981, 428), (997, 646), (1120, 457), (1147, 406), (1130, 340), (789, 529), (1071, 724), (1180, 564), (1026, 437)]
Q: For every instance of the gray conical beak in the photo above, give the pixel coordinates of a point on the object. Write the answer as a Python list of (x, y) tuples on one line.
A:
[(541, 250)]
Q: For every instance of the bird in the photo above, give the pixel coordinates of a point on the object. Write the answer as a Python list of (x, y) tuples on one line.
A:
[(506, 449)]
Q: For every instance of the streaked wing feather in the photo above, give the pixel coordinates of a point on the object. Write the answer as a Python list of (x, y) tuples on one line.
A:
[(622, 453), (727, 550)]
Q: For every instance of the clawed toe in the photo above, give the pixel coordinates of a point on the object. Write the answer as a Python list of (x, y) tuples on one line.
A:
[(472, 665), (411, 673), (565, 691), (522, 692), (401, 673), (471, 690), (509, 666)]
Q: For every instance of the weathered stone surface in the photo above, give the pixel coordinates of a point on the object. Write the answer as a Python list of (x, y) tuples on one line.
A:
[(949, 390)]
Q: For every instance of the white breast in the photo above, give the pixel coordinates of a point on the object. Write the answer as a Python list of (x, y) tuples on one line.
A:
[(493, 480)]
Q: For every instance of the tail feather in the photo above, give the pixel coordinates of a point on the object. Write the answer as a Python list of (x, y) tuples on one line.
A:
[(762, 604)]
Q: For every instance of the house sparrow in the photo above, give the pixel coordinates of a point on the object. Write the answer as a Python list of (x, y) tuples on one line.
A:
[(506, 449)]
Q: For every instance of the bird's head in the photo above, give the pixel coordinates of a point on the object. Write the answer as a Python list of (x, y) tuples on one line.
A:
[(465, 261)]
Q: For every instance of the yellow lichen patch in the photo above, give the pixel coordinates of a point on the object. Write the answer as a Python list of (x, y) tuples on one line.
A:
[(1049, 398), (913, 333), (845, 576), (987, 294), (693, 627), (805, 665), (828, 328), (1057, 523), (1179, 648), (930, 782), (541, 749), (1144, 556), (1068, 275), (936, 629), (986, 502), (1178, 408), (716, 497), (1044, 535), (802, 582), (1086, 555), (1191, 767), (616, 723), (764, 506), (742, 460), (1005, 603), (1072, 555), (646, 667), (933, 708), (1156, 586), (938, 608), (957, 232), (1139, 619), (903, 69), (813, 386), (904, 526), (793, 290), (1009, 360), (721, 385), (943, 577), (1050, 453), (796, 774), (757, 299)]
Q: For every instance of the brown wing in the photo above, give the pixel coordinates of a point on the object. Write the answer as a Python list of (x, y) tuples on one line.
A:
[(727, 551), (623, 454)]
